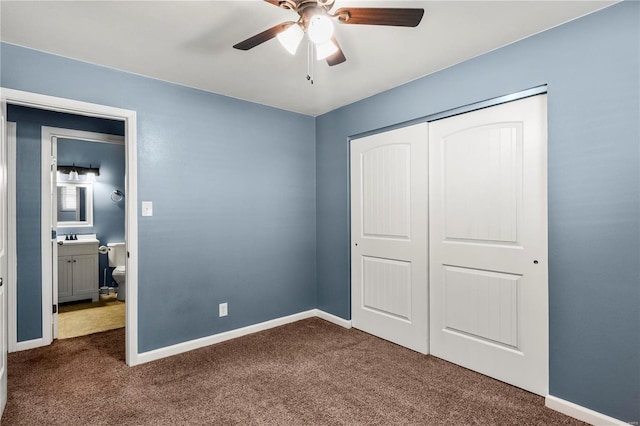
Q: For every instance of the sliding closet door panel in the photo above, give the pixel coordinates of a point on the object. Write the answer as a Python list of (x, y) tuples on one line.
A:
[(389, 236), (488, 242)]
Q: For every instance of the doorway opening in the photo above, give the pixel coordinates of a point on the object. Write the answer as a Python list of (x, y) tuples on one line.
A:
[(47, 315), (87, 211)]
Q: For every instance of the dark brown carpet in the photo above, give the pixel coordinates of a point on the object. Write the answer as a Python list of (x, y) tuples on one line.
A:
[(309, 372)]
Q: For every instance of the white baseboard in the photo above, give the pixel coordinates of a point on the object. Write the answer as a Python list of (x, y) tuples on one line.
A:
[(332, 318), (581, 413), (221, 337), (228, 335), (30, 344)]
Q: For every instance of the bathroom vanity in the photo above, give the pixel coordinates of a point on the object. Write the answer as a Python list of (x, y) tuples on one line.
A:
[(78, 269)]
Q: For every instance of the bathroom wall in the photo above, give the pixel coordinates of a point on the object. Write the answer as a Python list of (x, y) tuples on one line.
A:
[(592, 69), (28, 199), (108, 216), (233, 187)]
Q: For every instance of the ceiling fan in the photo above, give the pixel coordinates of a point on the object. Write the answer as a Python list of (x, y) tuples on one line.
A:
[(316, 20)]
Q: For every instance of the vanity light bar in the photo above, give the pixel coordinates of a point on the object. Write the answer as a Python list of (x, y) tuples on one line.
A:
[(80, 170)]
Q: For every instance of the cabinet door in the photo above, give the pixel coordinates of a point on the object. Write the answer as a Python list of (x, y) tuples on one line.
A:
[(85, 274), (65, 276)]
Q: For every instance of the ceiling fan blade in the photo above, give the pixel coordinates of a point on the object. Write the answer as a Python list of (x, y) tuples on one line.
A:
[(338, 57), (266, 35), (380, 16)]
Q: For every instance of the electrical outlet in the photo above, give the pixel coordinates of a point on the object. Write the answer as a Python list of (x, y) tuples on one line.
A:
[(223, 310)]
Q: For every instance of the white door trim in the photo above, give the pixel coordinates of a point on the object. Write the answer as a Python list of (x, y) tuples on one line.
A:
[(45, 241), (35, 100), (12, 266), (83, 135), (4, 245)]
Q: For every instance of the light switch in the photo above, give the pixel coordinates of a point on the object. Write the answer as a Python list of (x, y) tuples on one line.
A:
[(147, 208)]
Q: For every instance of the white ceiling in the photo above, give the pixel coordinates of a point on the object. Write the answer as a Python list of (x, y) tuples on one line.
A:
[(189, 42)]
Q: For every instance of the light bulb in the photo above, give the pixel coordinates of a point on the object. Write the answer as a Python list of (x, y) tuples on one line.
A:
[(291, 38), (320, 29), (325, 49), (73, 175), (91, 177)]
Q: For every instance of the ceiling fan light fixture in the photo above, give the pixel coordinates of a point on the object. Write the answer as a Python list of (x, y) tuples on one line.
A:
[(320, 29), (326, 49), (290, 38)]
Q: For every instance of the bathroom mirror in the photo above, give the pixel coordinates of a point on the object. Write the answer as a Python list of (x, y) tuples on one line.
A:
[(75, 204)]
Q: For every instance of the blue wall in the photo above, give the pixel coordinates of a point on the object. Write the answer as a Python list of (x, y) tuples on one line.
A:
[(28, 233), (108, 216), (233, 187), (591, 66), (28, 175)]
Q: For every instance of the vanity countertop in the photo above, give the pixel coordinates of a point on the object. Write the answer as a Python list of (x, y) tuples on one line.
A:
[(82, 239)]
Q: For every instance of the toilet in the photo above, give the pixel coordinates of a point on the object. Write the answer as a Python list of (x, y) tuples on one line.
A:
[(117, 255)]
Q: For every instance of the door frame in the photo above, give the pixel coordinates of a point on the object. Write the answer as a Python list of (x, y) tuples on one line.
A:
[(129, 117), (4, 253)]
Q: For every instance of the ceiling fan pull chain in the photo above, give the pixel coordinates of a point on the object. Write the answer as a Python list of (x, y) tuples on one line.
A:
[(310, 62)]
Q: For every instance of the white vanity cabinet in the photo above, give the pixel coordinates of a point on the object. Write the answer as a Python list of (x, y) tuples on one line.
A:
[(78, 271)]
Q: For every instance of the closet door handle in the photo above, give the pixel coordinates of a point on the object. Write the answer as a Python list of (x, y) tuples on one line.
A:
[(1, 281)]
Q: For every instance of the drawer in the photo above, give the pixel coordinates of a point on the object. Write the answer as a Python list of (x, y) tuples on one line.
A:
[(77, 249)]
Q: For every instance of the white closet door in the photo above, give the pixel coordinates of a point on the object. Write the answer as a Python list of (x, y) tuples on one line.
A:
[(488, 242), (389, 236)]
